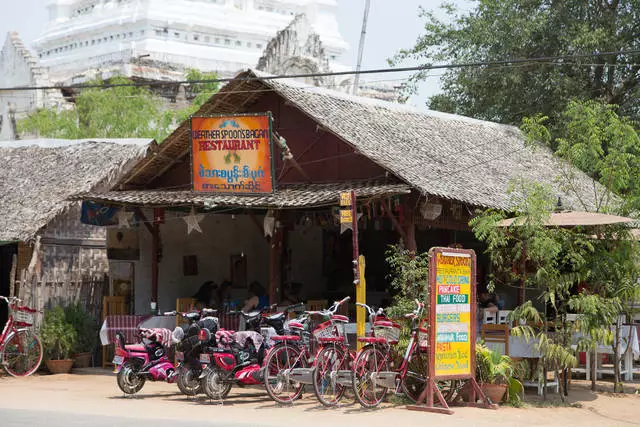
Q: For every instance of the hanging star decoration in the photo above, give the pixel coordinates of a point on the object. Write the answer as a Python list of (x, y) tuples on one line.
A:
[(123, 218), (349, 226), (193, 221)]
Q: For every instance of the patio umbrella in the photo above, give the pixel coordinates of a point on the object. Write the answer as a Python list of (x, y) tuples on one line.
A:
[(572, 219), (569, 219)]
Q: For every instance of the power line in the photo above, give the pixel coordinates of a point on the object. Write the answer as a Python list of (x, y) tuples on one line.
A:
[(427, 67)]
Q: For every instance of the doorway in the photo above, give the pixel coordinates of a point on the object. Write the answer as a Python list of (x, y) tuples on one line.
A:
[(6, 259)]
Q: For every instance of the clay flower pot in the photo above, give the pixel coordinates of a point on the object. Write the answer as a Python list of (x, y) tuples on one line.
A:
[(59, 366), (495, 392), (81, 360)]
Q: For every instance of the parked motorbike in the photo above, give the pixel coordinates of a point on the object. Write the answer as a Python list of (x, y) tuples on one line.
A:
[(188, 348), (137, 363), (238, 359)]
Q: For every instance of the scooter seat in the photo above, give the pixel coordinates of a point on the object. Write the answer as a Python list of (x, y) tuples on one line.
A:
[(138, 348), (277, 316)]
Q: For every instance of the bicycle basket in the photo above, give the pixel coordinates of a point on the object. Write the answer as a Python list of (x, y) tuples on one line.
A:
[(423, 339), (23, 316), (329, 329), (388, 330)]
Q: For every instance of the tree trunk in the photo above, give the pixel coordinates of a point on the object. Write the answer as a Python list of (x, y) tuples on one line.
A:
[(593, 366), (617, 385)]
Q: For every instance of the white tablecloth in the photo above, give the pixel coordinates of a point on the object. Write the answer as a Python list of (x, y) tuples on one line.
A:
[(165, 322), (518, 347)]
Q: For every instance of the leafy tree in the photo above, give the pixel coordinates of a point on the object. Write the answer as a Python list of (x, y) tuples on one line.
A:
[(591, 136), (409, 279), (495, 30), (117, 112)]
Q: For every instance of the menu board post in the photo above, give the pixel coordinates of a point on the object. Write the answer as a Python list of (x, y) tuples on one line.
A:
[(452, 327)]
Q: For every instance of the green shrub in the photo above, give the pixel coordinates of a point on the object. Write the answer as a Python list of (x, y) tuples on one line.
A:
[(58, 335)]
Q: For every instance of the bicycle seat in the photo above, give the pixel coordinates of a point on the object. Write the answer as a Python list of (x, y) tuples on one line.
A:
[(331, 339), (339, 318), (296, 325), (372, 340), (285, 338)]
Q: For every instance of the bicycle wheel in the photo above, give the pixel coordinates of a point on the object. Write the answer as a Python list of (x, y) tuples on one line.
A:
[(415, 379), (325, 385), (369, 393), (280, 360), (22, 353)]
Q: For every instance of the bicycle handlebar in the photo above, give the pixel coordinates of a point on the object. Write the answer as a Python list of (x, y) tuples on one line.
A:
[(10, 300), (331, 310)]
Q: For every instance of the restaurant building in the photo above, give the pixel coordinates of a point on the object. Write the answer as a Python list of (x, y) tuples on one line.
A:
[(418, 176)]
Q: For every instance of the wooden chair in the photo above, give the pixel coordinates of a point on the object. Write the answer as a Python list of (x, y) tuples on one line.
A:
[(184, 305), (111, 306), (489, 317), (498, 334), (503, 317)]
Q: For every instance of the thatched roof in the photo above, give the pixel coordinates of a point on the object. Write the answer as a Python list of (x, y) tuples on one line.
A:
[(37, 177), (438, 154), (287, 196)]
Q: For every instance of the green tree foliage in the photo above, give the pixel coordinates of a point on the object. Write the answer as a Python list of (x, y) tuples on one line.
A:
[(409, 274), (593, 137), (118, 112), (495, 30), (553, 261)]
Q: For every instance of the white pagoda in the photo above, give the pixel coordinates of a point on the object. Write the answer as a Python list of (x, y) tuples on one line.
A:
[(159, 39)]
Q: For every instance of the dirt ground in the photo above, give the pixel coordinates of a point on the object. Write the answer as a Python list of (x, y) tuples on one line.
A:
[(94, 391)]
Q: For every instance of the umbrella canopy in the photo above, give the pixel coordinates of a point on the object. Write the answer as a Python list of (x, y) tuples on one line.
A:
[(572, 219)]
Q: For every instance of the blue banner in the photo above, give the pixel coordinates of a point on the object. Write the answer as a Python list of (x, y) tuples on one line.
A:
[(99, 214)]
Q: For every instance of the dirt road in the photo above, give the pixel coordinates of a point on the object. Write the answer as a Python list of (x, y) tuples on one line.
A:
[(65, 400)]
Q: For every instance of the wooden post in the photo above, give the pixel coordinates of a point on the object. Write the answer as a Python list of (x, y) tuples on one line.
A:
[(275, 251), (410, 229), (155, 247), (12, 275), (361, 297)]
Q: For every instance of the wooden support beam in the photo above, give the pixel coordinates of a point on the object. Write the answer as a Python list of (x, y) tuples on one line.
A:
[(275, 252), (396, 224), (144, 219), (155, 247)]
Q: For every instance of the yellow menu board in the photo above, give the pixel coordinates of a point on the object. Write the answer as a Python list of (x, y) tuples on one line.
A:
[(453, 314)]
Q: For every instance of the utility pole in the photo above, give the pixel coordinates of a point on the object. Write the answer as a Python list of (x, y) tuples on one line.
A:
[(356, 79)]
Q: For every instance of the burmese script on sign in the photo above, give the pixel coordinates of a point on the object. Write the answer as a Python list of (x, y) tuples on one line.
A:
[(232, 154), (453, 315)]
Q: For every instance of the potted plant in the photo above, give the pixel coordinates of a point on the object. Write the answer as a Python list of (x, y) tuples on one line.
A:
[(58, 339), (86, 334), (494, 374)]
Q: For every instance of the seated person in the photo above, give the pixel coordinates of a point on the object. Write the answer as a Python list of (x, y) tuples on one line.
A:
[(204, 296), (257, 298)]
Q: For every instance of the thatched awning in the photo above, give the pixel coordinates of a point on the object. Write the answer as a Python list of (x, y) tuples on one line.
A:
[(445, 155), (37, 177), (286, 196)]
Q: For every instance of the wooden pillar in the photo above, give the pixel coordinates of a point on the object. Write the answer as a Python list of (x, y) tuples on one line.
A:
[(155, 248), (275, 254), (410, 227)]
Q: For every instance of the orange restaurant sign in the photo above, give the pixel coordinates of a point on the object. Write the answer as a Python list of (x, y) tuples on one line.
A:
[(232, 154)]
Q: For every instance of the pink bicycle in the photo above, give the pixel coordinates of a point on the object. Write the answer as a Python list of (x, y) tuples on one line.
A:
[(20, 347)]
